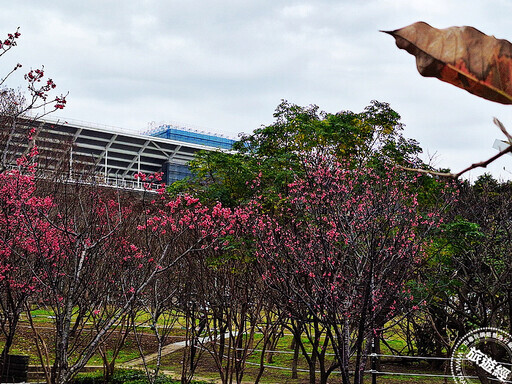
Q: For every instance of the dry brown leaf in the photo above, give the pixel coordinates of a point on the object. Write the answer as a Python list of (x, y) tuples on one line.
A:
[(462, 56)]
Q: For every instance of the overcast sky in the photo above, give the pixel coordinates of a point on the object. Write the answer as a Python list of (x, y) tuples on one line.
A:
[(224, 65)]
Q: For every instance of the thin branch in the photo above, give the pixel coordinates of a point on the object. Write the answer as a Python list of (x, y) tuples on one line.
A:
[(481, 164), (10, 73), (427, 172), (503, 129), (485, 163)]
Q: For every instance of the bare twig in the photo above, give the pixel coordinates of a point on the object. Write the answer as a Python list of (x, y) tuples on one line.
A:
[(428, 172), (481, 164), (485, 163), (503, 129)]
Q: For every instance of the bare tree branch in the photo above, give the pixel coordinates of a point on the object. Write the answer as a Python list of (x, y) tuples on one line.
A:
[(503, 129), (481, 164)]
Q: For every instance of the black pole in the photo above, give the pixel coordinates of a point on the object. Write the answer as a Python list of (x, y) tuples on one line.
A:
[(374, 359), (193, 343)]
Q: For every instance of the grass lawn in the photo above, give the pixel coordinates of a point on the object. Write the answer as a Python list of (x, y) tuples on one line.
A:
[(206, 369)]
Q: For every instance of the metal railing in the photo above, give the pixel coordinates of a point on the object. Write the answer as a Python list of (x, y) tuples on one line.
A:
[(97, 179)]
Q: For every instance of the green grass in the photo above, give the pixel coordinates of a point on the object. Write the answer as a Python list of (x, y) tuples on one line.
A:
[(126, 376), (24, 345)]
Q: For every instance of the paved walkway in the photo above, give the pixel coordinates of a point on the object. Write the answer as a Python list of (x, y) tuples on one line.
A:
[(166, 350)]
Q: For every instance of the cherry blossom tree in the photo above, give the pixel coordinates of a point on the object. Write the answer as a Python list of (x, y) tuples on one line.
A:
[(38, 101), (19, 276), (89, 257), (229, 303), (182, 230), (343, 244), (110, 252), (19, 241)]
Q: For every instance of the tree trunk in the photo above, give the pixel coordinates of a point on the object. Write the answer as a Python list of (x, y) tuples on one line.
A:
[(295, 346)]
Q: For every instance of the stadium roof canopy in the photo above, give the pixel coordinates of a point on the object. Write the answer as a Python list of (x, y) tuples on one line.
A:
[(115, 155)]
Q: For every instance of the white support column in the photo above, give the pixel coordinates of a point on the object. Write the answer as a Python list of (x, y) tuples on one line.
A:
[(138, 170), (106, 168), (71, 163)]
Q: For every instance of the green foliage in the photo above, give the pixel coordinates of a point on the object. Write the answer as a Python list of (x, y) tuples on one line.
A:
[(236, 254), (447, 250), (218, 176), (459, 236), (468, 275), (431, 190), (299, 131), (126, 376), (266, 161)]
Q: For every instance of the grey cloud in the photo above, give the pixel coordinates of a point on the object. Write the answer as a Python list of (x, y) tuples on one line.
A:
[(225, 64)]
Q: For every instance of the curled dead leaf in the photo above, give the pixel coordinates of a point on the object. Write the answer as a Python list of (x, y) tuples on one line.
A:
[(462, 56)]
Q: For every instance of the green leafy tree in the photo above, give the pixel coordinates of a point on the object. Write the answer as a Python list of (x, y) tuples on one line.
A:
[(275, 154), (468, 278)]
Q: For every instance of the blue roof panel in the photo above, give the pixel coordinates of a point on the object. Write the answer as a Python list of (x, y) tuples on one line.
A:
[(209, 140)]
